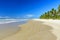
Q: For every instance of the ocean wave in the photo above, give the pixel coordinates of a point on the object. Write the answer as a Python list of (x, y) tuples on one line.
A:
[(4, 21)]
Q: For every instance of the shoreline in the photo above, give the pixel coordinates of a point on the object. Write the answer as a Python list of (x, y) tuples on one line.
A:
[(33, 30), (9, 29)]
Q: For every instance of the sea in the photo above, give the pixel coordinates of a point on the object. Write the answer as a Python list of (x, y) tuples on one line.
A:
[(9, 27)]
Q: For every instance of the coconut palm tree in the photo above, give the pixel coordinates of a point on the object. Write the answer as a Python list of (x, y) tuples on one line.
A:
[(53, 13), (59, 8), (48, 14)]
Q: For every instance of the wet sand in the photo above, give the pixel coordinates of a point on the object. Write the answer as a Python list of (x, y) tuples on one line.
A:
[(33, 30), (9, 29)]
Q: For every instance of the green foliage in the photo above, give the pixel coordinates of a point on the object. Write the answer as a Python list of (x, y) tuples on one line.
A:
[(53, 14)]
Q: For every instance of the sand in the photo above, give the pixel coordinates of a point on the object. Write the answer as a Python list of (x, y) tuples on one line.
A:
[(9, 29), (33, 30)]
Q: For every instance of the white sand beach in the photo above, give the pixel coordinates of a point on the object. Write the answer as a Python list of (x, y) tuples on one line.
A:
[(37, 29)]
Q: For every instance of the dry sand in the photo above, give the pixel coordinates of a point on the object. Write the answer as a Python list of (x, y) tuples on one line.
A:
[(33, 30)]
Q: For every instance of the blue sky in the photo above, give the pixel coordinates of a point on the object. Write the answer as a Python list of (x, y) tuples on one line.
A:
[(26, 8)]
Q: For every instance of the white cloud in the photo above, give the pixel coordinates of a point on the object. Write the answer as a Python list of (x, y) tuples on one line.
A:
[(4, 17), (28, 16)]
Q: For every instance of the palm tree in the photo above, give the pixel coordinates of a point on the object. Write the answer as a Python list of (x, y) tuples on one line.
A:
[(53, 12), (48, 14), (59, 8), (41, 16), (58, 12), (45, 15)]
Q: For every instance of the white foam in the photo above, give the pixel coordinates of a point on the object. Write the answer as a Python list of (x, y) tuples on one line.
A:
[(4, 21)]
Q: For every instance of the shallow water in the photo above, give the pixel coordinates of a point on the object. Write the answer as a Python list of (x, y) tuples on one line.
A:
[(7, 29)]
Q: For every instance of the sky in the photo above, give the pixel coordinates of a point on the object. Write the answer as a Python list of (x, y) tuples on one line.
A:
[(26, 8)]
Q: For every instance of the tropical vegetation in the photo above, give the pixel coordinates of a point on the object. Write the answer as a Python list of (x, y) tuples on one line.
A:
[(52, 14)]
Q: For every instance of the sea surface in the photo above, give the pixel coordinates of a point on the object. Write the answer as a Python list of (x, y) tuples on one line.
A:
[(9, 27)]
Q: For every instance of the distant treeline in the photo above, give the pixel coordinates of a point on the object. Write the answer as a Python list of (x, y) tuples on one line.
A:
[(52, 14)]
